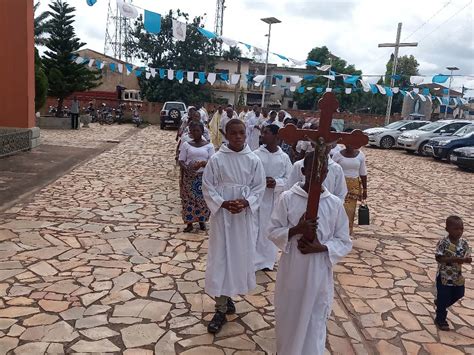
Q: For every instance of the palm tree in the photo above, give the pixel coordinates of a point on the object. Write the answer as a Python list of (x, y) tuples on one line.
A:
[(41, 25), (234, 53)]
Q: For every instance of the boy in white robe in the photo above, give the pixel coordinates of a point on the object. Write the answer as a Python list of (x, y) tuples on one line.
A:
[(233, 187), (277, 167), (305, 288), (253, 129), (335, 181)]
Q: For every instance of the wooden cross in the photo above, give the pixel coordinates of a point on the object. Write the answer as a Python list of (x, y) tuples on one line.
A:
[(322, 137)]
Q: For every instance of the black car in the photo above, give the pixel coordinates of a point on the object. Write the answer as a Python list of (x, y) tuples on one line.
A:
[(443, 147), (464, 158)]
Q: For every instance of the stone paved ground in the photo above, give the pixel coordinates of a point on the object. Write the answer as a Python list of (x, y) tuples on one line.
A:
[(96, 262)]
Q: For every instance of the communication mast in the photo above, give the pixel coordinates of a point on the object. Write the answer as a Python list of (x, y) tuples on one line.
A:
[(219, 20), (116, 33)]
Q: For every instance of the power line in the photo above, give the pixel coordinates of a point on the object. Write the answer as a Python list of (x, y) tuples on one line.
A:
[(451, 17), (426, 22)]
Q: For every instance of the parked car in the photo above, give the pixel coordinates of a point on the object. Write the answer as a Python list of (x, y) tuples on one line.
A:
[(386, 137), (171, 114), (463, 158), (443, 147), (414, 141)]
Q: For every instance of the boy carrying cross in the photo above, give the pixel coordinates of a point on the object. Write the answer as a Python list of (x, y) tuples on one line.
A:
[(305, 287)]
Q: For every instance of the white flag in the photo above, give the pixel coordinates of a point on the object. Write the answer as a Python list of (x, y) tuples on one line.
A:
[(79, 60), (196, 81), (153, 72), (396, 90), (127, 10), (309, 88), (325, 67), (415, 79), (120, 67), (292, 88), (295, 79), (148, 75), (416, 90), (330, 77), (190, 76), (179, 30), (91, 62), (422, 97), (170, 74), (348, 90), (211, 77), (234, 79), (328, 89), (181, 80), (365, 85), (228, 41), (381, 89), (297, 62), (259, 78)]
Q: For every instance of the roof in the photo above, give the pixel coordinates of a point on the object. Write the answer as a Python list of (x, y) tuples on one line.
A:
[(436, 87), (80, 51)]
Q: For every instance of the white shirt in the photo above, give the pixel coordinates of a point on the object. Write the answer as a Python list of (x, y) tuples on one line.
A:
[(336, 149), (305, 146), (352, 167), (190, 154)]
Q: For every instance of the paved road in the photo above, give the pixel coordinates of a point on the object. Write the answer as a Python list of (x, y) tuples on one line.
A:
[(96, 262)]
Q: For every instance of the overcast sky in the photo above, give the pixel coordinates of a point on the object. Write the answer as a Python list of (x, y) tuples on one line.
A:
[(350, 29)]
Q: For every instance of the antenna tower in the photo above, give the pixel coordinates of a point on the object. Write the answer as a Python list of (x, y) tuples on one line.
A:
[(219, 20), (116, 33)]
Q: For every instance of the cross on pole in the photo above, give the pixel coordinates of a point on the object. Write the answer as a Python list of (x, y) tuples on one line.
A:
[(322, 137), (397, 46)]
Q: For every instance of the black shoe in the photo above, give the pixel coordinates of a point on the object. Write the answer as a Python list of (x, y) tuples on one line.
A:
[(202, 226), (230, 306), (189, 228), (442, 325), (266, 269), (216, 323)]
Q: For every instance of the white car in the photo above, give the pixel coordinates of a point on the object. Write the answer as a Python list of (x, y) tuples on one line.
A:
[(415, 141), (386, 137), (172, 113)]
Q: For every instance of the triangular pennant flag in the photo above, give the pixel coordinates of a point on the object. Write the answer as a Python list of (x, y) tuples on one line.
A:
[(388, 91), (98, 64), (179, 75), (381, 89), (148, 75), (351, 79), (365, 85), (258, 51), (152, 22), (206, 33), (403, 92), (202, 77), (190, 76), (328, 89), (439, 100), (179, 30), (127, 10), (138, 72), (297, 62), (330, 77), (301, 89), (416, 90), (348, 90), (246, 45), (170, 74), (224, 76), (282, 57), (324, 67), (120, 68), (312, 63), (319, 89), (153, 72), (112, 66), (91, 62), (415, 79), (129, 68), (430, 98), (249, 77), (91, 2), (373, 88), (440, 78), (259, 78), (181, 80), (234, 79), (426, 91), (309, 77), (197, 81), (422, 97), (295, 79), (79, 60), (292, 88), (162, 73), (228, 41), (309, 88), (211, 78)]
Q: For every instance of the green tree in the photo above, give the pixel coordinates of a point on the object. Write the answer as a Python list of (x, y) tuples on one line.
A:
[(161, 50), (41, 82), (65, 76), (41, 25), (406, 67), (308, 99), (235, 54)]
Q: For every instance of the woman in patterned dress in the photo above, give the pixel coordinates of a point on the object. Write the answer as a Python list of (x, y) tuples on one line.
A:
[(193, 158)]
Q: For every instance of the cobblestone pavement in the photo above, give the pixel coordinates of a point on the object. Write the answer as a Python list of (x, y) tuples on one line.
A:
[(96, 262)]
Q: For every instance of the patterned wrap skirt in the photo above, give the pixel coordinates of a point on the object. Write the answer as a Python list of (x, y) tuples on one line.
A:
[(354, 194), (194, 208)]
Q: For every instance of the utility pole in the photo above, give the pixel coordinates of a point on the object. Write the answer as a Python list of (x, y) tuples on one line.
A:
[(449, 90), (397, 46), (270, 21), (219, 21)]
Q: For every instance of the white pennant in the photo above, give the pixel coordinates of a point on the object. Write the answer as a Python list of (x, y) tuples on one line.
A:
[(181, 80), (295, 79), (309, 88), (410, 95), (228, 41), (422, 97), (211, 77), (234, 79), (196, 81), (348, 90), (120, 67), (439, 99), (259, 78), (429, 98), (328, 89), (416, 90), (365, 85), (190, 76), (297, 62), (396, 90), (381, 89), (127, 10), (292, 88), (153, 72), (179, 30), (325, 67), (258, 51), (79, 60), (330, 77), (91, 62), (170, 74), (415, 80), (148, 75)]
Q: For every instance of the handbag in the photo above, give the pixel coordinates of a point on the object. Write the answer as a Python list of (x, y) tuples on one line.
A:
[(364, 214)]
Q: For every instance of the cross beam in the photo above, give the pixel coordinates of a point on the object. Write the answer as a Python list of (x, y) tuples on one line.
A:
[(322, 137)]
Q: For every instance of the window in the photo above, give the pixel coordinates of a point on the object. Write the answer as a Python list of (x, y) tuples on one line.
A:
[(274, 80), (288, 80)]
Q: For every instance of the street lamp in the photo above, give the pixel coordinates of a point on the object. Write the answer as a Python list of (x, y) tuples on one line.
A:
[(270, 21), (449, 88)]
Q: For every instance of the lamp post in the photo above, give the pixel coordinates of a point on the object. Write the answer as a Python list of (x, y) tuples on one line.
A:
[(449, 88), (270, 21)]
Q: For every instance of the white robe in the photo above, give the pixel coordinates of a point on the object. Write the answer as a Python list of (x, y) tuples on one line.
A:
[(335, 181), (253, 133), (304, 288), (278, 166), (232, 175)]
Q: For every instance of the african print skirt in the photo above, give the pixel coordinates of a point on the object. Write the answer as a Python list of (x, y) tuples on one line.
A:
[(192, 200), (350, 203)]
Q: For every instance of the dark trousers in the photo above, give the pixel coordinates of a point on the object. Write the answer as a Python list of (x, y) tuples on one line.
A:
[(74, 120), (447, 296)]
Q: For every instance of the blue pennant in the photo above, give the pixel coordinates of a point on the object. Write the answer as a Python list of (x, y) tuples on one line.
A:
[(249, 47), (202, 77), (352, 79), (129, 67), (152, 22), (388, 91), (224, 76), (373, 88), (440, 78), (206, 33), (396, 77), (312, 63), (278, 76), (112, 66), (98, 63), (426, 91), (281, 57), (301, 89), (309, 77), (91, 2), (249, 77), (319, 89), (179, 75), (138, 72), (162, 73)]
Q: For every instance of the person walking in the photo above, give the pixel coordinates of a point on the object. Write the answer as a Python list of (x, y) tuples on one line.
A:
[(75, 113)]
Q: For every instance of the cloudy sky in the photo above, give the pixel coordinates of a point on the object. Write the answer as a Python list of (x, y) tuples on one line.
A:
[(351, 29)]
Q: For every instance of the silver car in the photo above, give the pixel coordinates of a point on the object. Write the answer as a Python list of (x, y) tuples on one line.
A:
[(414, 141), (386, 137)]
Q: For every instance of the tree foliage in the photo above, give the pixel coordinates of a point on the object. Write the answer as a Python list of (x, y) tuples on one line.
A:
[(161, 50), (65, 76), (41, 82), (308, 99), (41, 25)]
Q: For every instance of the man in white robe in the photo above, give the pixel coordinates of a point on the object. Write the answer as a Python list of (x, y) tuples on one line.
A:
[(253, 128), (304, 288), (215, 126), (231, 176), (243, 114), (335, 181), (225, 118), (277, 167)]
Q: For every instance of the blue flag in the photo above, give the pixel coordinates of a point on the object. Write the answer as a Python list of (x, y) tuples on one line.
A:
[(207, 33), (91, 2), (202, 77), (312, 63), (388, 91), (224, 76), (373, 88), (301, 89), (112, 66), (162, 73), (440, 78), (426, 91), (179, 75), (152, 22)]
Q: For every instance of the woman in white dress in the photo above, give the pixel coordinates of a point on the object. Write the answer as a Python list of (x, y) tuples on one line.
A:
[(193, 157)]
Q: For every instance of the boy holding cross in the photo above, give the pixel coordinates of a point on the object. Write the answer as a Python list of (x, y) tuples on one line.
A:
[(305, 287)]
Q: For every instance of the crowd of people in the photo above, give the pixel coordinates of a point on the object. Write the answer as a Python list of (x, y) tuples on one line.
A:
[(253, 189)]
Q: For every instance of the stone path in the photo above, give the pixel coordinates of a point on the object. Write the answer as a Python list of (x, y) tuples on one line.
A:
[(96, 262)]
